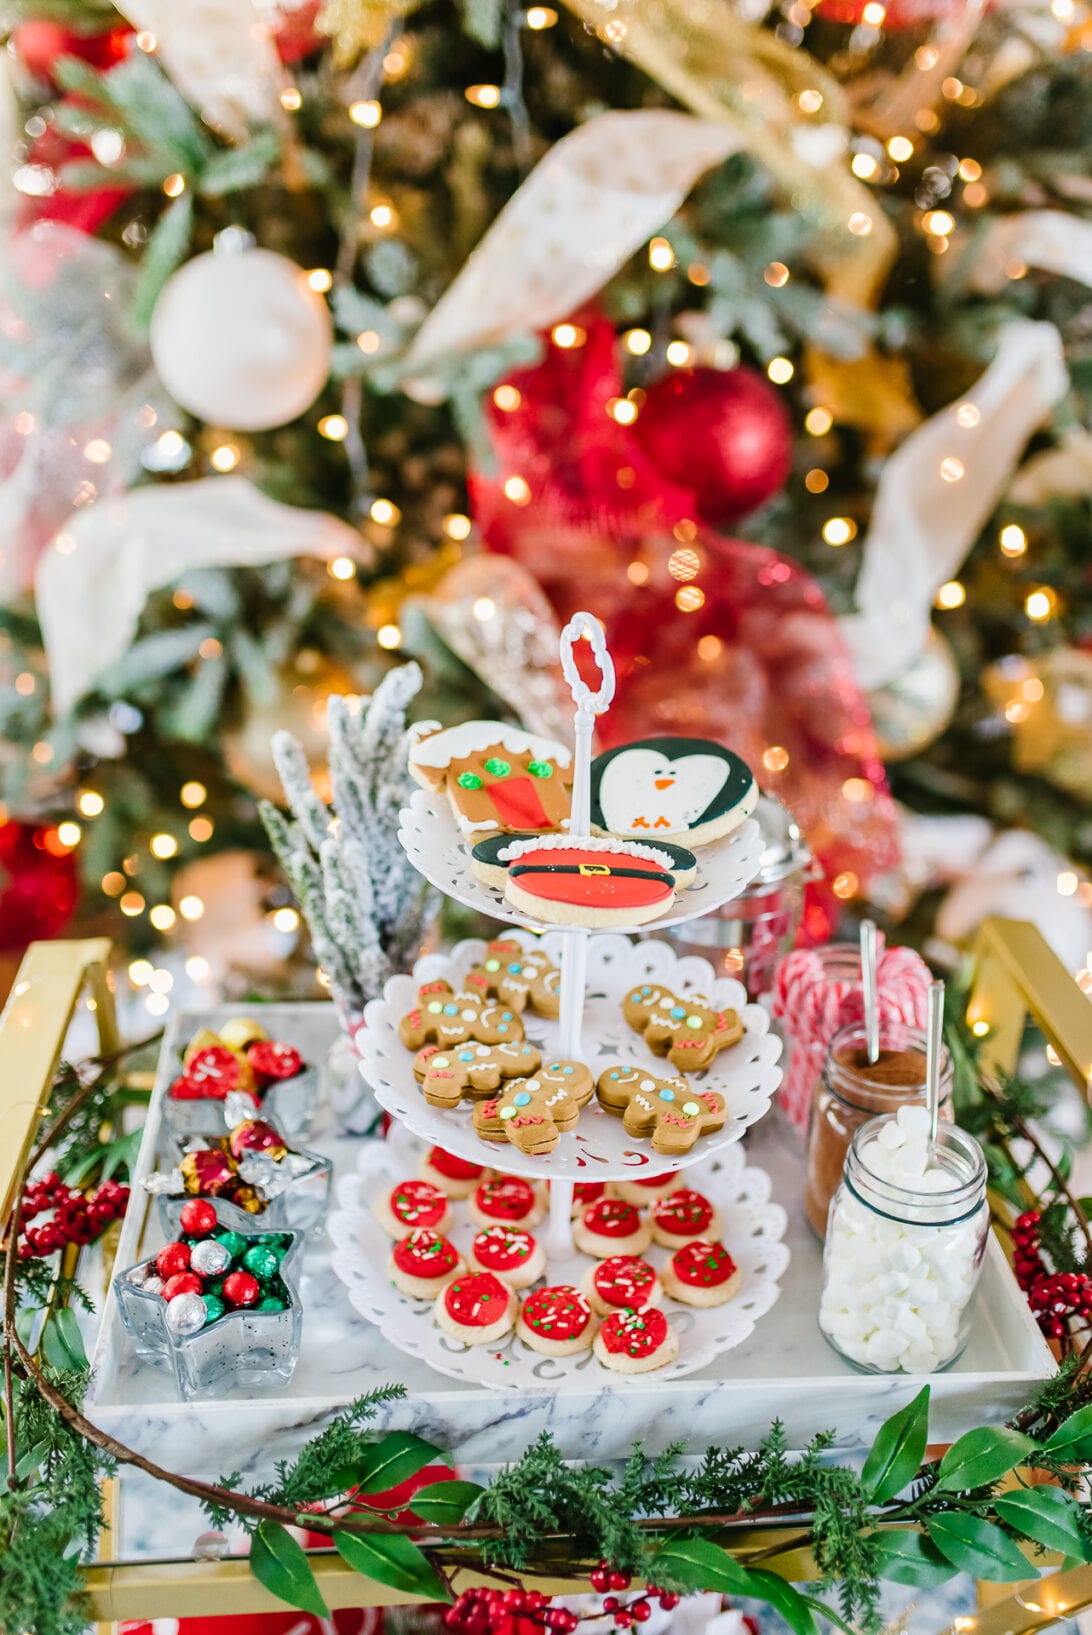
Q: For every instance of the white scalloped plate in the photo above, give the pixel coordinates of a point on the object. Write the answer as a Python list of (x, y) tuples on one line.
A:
[(431, 839), (746, 1075), (753, 1232)]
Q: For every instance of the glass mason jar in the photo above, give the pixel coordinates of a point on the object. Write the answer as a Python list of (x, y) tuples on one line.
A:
[(838, 966), (746, 937), (850, 1091), (903, 1257)]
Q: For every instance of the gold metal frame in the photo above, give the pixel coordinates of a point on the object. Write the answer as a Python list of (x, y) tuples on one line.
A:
[(1015, 974)]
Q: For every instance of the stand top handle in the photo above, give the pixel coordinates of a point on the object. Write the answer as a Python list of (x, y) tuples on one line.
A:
[(588, 704)]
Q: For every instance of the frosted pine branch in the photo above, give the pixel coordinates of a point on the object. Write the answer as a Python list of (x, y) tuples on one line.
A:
[(364, 902)]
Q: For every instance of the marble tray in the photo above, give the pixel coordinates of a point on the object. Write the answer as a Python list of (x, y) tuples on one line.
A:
[(783, 1370)]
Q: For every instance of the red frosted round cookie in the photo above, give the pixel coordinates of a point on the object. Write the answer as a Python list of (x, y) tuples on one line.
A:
[(648, 1180), (634, 1334), (588, 1192), (702, 1265), (503, 1248), (477, 1300), (558, 1314), (425, 1253), (624, 1281), (506, 1198), (417, 1203), (685, 1214), (456, 1169), (612, 1218)]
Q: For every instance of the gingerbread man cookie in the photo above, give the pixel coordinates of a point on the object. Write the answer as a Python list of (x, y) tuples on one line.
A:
[(687, 1031), (447, 1018), (671, 1111), (471, 1069), (533, 1113), (521, 978)]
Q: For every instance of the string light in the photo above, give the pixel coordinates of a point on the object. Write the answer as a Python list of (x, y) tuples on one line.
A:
[(699, 274), (980, 1030), (780, 371), (342, 567), (89, 803), (484, 609), (539, 17), (845, 885), (1012, 539), (291, 101), (900, 148), (1067, 884), (157, 1004), (146, 41), (98, 451), (193, 793), (1039, 605), (383, 217), (69, 834), (191, 908), (367, 114), (776, 275), (170, 444), (385, 512), (975, 195), (388, 636), (775, 759), (42, 753), (810, 101), (951, 469), (457, 526), (839, 530), (368, 341), (637, 573), (160, 981), (320, 279), (860, 224), (816, 481), (517, 490), (113, 884), (25, 684), (397, 60), (661, 257), (969, 170), (950, 595), (622, 410), (211, 648), (285, 919), (132, 904), (709, 648), (684, 564), (163, 846), (174, 185), (225, 458), (939, 222), (818, 422), (689, 598), (483, 96), (967, 415), (335, 427), (637, 341), (678, 353), (873, 14), (201, 829), (198, 968), (864, 166), (567, 336), (507, 398)]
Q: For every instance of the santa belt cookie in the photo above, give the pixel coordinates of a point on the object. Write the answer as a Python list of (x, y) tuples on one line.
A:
[(582, 884)]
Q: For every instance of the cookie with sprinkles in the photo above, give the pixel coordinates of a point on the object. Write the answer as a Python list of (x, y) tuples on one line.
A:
[(669, 1111), (702, 1273), (476, 1308), (645, 1189), (510, 1253), (413, 1204), (524, 978), (689, 1032), (443, 1017), (585, 1193), (448, 1073), (636, 1342), (557, 1321), (422, 1262), (612, 1227), (684, 1216), (508, 1199), (622, 1283), (455, 1177)]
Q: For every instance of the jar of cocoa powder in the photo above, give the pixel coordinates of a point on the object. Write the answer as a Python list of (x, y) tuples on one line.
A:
[(851, 1090)]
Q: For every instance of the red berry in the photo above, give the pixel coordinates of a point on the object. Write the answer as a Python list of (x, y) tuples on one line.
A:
[(240, 1289), (609, 1603), (599, 1578), (534, 1600), (52, 1182), (198, 1218), (557, 1618), (642, 1611), (182, 1283), (514, 1600), (26, 1249), (623, 1618), (619, 1580), (668, 1600), (172, 1259)]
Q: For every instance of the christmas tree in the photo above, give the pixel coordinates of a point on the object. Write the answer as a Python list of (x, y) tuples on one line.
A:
[(761, 332)]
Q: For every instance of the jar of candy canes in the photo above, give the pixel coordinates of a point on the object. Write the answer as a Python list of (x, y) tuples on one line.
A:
[(904, 1246), (851, 1090)]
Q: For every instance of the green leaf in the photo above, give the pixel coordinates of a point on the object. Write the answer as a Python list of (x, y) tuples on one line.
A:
[(698, 1564), (1048, 1515), (1073, 1438), (898, 1450), (978, 1547), (393, 1460), (445, 1503), (165, 249), (983, 1456), (908, 1557), (786, 1600), (232, 169), (280, 1564), (394, 1560), (61, 1342)]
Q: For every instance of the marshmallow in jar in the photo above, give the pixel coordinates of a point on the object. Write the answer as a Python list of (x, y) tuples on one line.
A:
[(904, 1245)]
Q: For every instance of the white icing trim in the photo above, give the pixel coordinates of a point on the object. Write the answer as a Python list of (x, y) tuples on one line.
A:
[(468, 827), (439, 750), (588, 843)]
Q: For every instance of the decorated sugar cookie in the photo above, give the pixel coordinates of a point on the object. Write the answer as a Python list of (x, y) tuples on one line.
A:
[(495, 776), (557, 1321), (635, 1342), (422, 1262), (702, 1274), (449, 1018), (682, 1218), (518, 977), (533, 1113), (413, 1204), (612, 1227), (476, 1308), (577, 882), (510, 1253), (508, 1198), (687, 789), (587, 1192), (455, 1177), (645, 1189), (621, 1283), (671, 1111), (491, 859), (471, 1069), (685, 1030)]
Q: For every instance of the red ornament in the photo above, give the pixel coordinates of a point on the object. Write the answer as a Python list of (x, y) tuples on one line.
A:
[(83, 209), (39, 43), (197, 1217), (39, 887), (172, 1259), (294, 33), (240, 1289), (181, 1283), (726, 434)]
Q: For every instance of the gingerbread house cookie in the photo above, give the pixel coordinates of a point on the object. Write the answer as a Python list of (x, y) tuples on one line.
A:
[(497, 777)]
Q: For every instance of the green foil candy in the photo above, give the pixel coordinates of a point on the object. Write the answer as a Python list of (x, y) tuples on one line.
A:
[(261, 1260), (233, 1242), (214, 1307)]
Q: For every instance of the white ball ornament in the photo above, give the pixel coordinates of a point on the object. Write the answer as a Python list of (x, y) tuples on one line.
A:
[(241, 340)]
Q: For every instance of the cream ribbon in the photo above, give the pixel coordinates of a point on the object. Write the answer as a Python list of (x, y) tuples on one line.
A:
[(221, 57)]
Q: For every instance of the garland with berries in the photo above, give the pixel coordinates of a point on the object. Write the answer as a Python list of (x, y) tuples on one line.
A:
[(643, 1534)]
